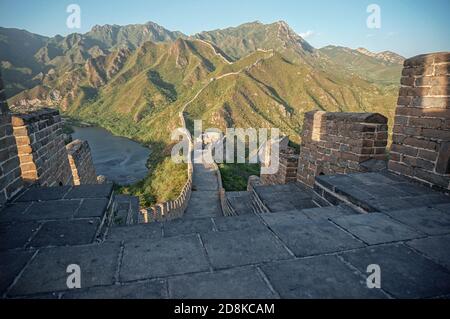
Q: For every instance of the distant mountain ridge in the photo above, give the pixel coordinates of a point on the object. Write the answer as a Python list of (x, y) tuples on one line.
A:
[(135, 79)]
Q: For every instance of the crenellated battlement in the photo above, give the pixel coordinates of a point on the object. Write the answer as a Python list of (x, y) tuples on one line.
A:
[(338, 143)]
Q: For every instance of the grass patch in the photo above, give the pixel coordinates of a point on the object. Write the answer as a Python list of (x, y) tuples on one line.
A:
[(235, 176), (164, 181)]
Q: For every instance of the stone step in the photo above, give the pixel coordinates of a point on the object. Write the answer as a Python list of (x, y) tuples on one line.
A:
[(377, 192), (241, 202), (279, 198), (126, 210)]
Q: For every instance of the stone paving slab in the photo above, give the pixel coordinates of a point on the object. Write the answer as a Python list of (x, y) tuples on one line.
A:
[(437, 248), (374, 178), (203, 204), (47, 271), (329, 212), (445, 208), (187, 227), (14, 212), (382, 191), (426, 220), (389, 204), (404, 273), (58, 209), (11, 263), (243, 247), (143, 233), (240, 283), (155, 289), (241, 202), (376, 228), (306, 237), (16, 235), (92, 208), (66, 233), (238, 222), (43, 194), (90, 191), (323, 277), (414, 189), (429, 200), (162, 258)]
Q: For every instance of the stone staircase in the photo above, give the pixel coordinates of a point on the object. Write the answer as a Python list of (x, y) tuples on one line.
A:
[(126, 211), (240, 203)]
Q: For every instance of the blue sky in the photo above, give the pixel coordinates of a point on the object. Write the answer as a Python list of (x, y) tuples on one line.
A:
[(408, 27)]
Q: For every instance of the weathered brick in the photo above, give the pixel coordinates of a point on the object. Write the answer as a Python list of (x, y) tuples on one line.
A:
[(420, 143), (425, 122)]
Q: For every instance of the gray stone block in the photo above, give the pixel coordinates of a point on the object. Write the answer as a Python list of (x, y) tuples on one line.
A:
[(426, 220), (44, 193), (67, 232), (58, 209), (322, 277), (376, 228), (11, 263), (16, 235), (14, 212), (92, 208), (306, 237), (436, 248), (445, 208), (241, 283), (329, 212), (155, 289), (138, 233), (243, 247), (166, 257), (187, 227), (203, 204), (238, 222), (404, 274), (90, 191), (47, 272)]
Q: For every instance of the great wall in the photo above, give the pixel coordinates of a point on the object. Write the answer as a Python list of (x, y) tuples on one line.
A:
[(309, 231)]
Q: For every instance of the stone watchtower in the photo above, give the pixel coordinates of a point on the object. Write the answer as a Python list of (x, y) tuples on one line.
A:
[(421, 139)]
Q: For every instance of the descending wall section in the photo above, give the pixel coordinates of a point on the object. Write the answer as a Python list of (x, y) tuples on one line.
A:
[(337, 143), (421, 141), (80, 159), (42, 152), (10, 180)]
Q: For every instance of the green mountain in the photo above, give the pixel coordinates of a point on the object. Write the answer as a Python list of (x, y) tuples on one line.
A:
[(27, 58), (240, 41), (383, 68), (135, 80)]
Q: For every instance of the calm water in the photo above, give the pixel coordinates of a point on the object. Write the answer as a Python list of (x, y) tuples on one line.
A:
[(119, 159)]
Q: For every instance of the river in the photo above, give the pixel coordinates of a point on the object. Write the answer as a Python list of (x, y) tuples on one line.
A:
[(119, 159)]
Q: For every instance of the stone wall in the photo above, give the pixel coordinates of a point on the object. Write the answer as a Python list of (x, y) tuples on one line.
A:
[(80, 160), (287, 172), (41, 148), (421, 139), (10, 179), (337, 143)]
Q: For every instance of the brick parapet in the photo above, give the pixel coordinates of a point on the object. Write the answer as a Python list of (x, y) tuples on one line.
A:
[(81, 164), (41, 148), (337, 143), (421, 135)]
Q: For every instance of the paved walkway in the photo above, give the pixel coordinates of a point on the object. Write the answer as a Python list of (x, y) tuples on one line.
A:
[(204, 200), (320, 252)]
